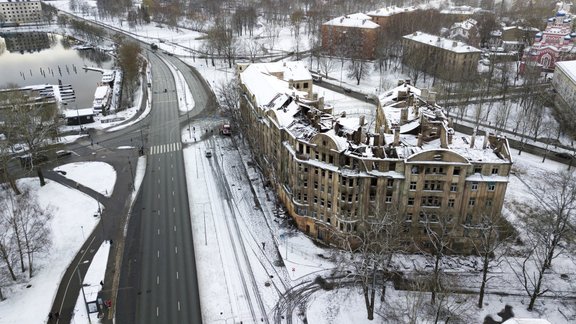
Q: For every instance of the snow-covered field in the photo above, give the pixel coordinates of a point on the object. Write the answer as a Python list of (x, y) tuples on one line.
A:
[(73, 221)]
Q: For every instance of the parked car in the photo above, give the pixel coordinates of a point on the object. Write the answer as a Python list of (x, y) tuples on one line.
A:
[(208, 154), (346, 89), (63, 153), (26, 160), (316, 79)]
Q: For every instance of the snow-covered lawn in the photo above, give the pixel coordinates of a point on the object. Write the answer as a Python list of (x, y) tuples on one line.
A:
[(98, 176), (73, 221)]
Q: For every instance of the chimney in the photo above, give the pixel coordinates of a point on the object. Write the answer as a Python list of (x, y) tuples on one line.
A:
[(403, 116), (485, 144), (443, 137), (454, 43), (396, 136), (358, 136), (362, 120), (431, 98), (473, 139), (419, 140)]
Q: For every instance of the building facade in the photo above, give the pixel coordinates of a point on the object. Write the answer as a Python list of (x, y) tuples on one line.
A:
[(20, 11), (564, 82), (335, 176), (556, 43), (466, 32), (351, 36), (447, 59)]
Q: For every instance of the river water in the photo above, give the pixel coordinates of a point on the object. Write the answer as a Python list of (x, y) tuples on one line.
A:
[(35, 58)]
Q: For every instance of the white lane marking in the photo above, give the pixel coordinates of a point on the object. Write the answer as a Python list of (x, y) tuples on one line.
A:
[(158, 231), (157, 280), (172, 179), (158, 196), (177, 275), (178, 305), (158, 254), (158, 181), (158, 168), (174, 209), (174, 228), (172, 193), (176, 249), (172, 166), (157, 311)]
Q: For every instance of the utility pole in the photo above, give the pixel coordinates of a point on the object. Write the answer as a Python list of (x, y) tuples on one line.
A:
[(83, 294)]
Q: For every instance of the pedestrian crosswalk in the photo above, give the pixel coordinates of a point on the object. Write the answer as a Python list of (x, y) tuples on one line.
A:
[(165, 148)]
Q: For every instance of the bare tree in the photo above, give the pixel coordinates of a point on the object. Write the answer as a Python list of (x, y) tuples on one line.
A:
[(27, 228), (552, 212), (358, 69), (370, 251), (33, 223), (131, 63), (7, 253), (490, 235), (529, 269), (327, 64), (228, 94), (438, 230), (34, 124)]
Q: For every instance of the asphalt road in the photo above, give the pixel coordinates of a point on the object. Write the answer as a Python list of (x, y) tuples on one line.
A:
[(159, 283)]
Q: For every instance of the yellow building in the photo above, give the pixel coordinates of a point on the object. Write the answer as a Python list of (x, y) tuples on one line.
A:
[(334, 175), (447, 59)]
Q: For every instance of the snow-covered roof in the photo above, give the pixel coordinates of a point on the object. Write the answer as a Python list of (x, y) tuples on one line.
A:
[(73, 113), (396, 100), (467, 24), (569, 68), (266, 80), (389, 11), (101, 92), (526, 321), (17, 1), (459, 10), (358, 20), (445, 43)]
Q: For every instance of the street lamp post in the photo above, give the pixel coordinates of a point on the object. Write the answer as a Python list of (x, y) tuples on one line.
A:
[(83, 294)]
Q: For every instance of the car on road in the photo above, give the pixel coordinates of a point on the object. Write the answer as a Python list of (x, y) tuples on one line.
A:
[(63, 153), (208, 154), (316, 79), (347, 90)]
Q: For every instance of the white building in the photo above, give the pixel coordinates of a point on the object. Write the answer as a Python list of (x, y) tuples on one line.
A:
[(465, 31), (564, 82), (20, 11)]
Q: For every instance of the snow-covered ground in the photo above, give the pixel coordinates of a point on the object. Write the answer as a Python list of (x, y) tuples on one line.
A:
[(73, 221), (98, 176)]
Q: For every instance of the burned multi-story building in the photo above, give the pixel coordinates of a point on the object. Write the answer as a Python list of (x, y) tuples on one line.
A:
[(334, 175)]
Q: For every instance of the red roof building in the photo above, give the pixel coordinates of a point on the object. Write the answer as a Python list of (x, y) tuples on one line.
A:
[(556, 43)]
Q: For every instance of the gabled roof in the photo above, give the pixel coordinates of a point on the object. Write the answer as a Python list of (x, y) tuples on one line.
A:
[(437, 41), (358, 20)]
